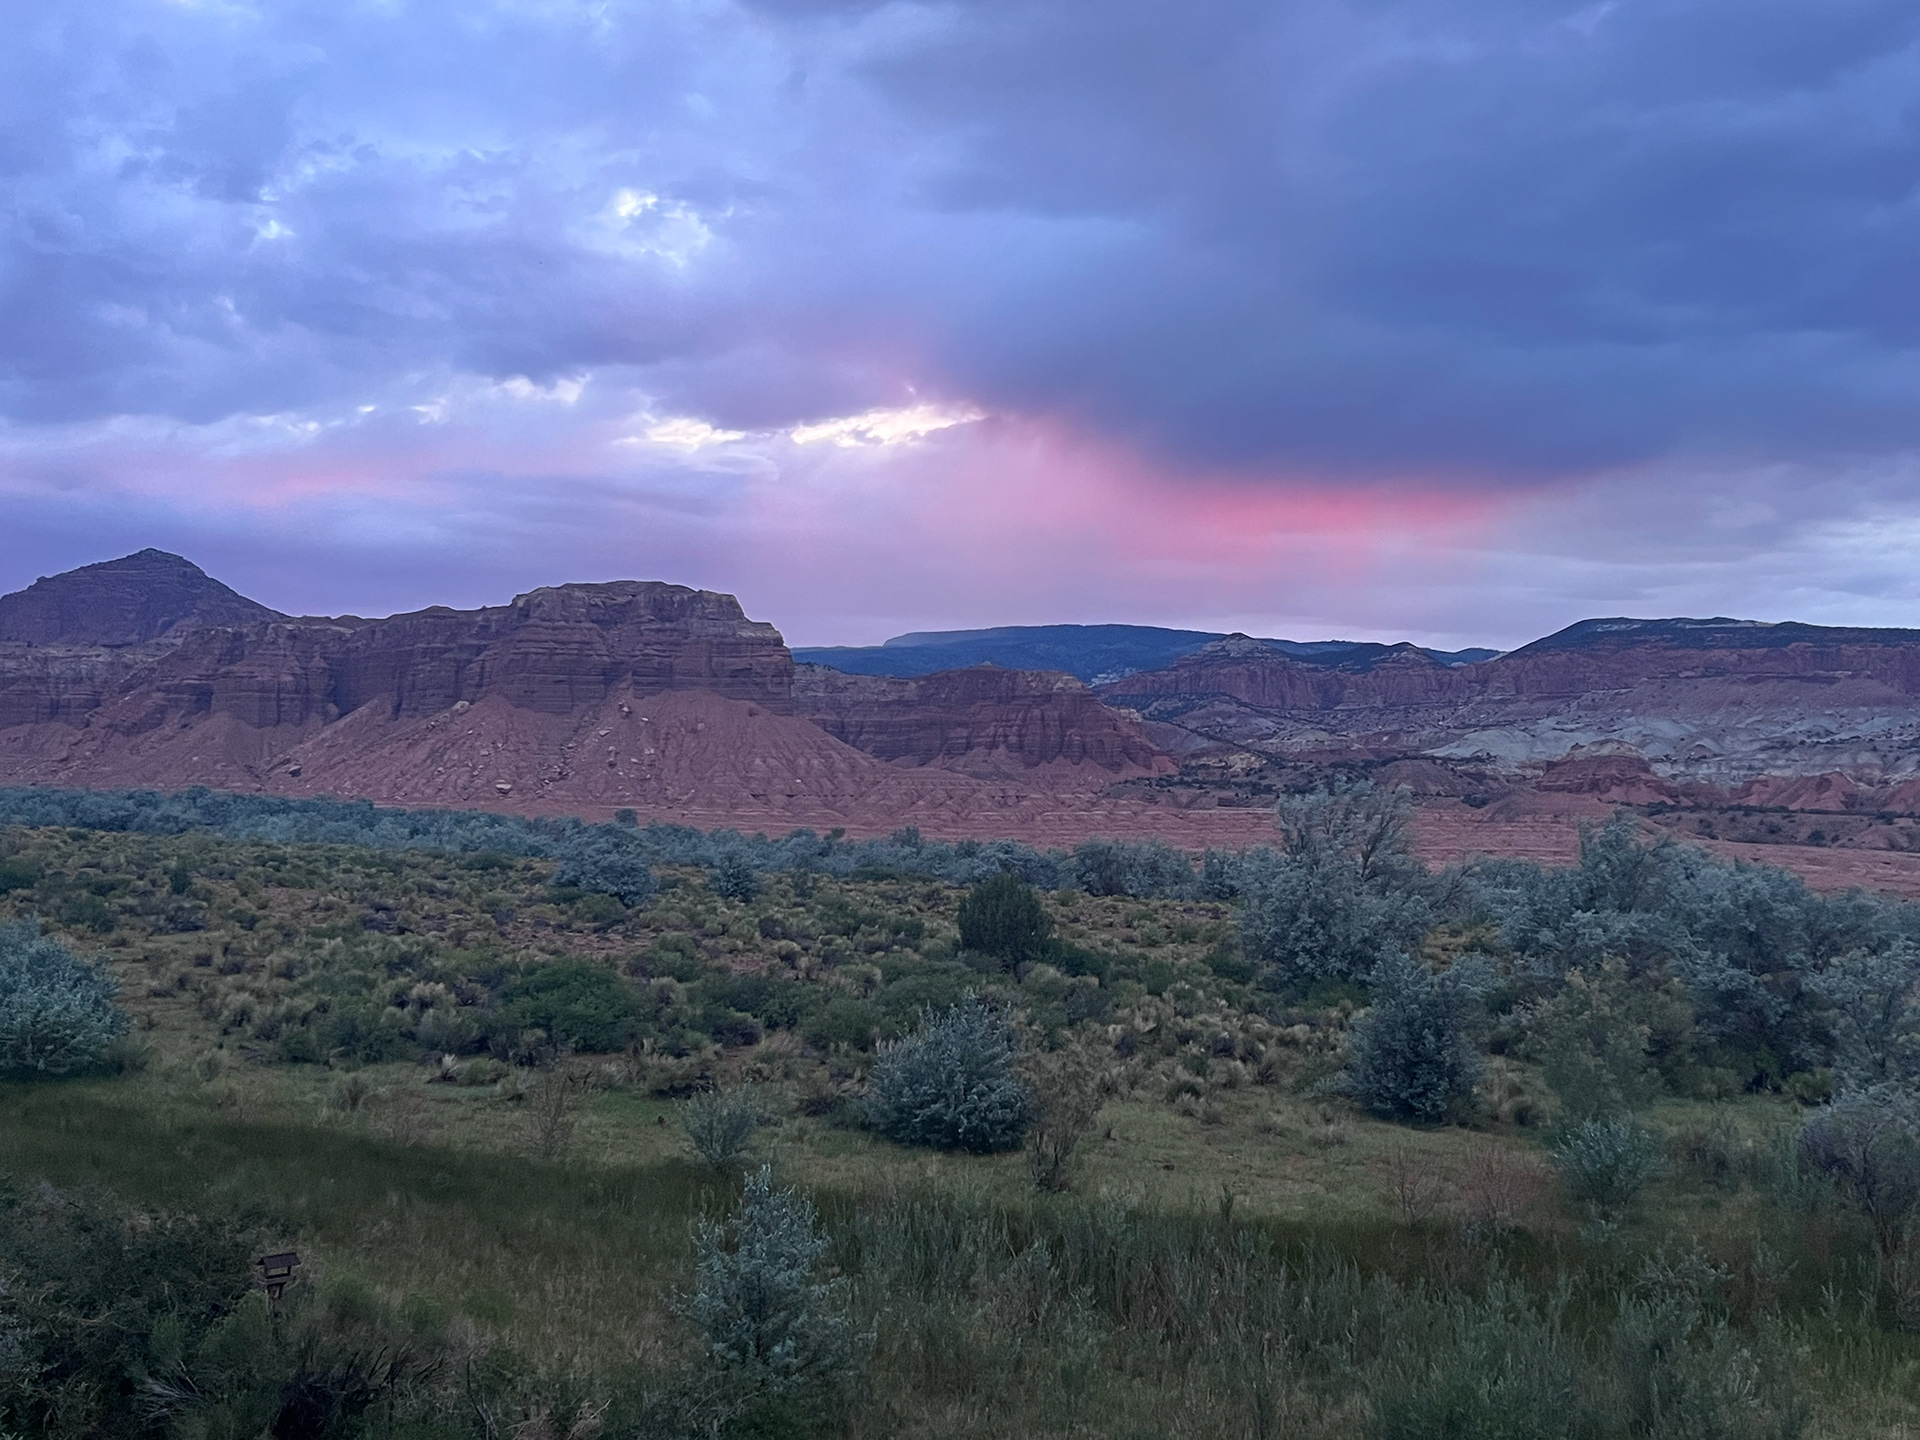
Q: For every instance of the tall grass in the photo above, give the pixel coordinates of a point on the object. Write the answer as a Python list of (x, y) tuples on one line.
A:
[(1049, 1315)]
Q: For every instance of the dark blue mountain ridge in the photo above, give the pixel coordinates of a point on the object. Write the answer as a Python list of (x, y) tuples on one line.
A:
[(1093, 653), (1716, 633)]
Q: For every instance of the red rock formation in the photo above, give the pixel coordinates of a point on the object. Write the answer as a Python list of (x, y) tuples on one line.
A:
[(130, 601), (266, 686), (1617, 779), (588, 698), (578, 697), (1720, 704), (984, 721)]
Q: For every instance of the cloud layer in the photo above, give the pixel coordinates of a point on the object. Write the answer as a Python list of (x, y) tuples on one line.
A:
[(1457, 318)]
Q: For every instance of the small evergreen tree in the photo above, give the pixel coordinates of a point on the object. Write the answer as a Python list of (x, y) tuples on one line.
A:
[(953, 1086), (1412, 1055), (771, 1325), (1003, 917), (57, 1012)]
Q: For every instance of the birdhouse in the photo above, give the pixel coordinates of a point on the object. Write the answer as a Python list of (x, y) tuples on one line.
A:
[(273, 1273)]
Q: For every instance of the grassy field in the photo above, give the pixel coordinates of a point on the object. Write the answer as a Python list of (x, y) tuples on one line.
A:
[(354, 1043)]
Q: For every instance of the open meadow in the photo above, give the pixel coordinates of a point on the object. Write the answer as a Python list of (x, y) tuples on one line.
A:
[(1304, 1143)]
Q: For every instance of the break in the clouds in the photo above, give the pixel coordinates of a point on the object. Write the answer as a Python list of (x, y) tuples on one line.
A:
[(1451, 318)]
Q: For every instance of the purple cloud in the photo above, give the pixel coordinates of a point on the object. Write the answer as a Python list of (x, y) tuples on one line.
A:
[(414, 295)]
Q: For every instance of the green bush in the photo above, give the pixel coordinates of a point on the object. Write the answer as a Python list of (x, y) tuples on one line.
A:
[(579, 1004), (593, 908), (57, 1012), (721, 1124), (953, 1085), (1003, 917), (99, 1302), (734, 878), (1492, 1368), (1867, 1144), (842, 1021), (728, 1026), (1411, 1055), (675, 956)]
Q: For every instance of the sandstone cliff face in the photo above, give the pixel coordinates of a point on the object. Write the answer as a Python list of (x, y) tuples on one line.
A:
[(575, 697), (982, 721), (584, 699), (559, 651)]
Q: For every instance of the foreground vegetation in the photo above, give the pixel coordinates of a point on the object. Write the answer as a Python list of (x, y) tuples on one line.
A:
[(1307, 1142)]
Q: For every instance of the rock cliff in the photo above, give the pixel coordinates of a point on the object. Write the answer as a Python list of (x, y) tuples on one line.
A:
[(982, 720), (583, 697), (1794, 742)]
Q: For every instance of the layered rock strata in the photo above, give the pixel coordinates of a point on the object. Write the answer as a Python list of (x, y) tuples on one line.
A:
[(584, 697), (1720, 703), (982, 720)]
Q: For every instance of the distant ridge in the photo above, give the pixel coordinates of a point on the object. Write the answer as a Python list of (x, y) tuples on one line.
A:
[(1718, 633), (1096, 654)]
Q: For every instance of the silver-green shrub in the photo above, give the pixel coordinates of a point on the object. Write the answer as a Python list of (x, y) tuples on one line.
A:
[(1605, 1164), (606, 860), (720, 1125), (1342, 894), (1867, 1144), (57, 1011), (953, 1085), (1412, 1055)]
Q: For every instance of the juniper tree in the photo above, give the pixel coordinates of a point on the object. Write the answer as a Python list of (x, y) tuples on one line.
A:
[(1003, 917)]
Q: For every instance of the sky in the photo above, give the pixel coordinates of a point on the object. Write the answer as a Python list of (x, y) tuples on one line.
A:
[(1447, 320)]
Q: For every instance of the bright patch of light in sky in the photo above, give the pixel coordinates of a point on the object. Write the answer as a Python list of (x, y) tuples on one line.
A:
[(885, 427), (684, 433)]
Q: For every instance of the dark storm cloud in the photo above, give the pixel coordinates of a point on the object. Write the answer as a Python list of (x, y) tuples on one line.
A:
[(1472, 235), (1496, 241)]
